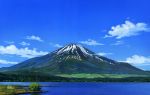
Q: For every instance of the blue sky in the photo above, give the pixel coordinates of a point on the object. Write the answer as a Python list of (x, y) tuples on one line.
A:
[(118, 29)]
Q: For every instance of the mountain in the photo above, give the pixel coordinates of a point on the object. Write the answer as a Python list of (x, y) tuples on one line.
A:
[(72, 59)]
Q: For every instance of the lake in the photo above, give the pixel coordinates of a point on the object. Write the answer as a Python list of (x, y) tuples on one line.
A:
[(63, 88)]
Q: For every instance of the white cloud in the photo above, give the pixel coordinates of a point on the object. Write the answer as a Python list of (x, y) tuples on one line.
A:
[(104, 53), (91, 42), (24, 44), (22, 52), (138, 60), (36, 38), (7, 62), (118, 43), (127, 29)]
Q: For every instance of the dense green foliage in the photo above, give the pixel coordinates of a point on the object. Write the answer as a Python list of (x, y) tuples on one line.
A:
[(34, 87), (17, 90), (25, 76)]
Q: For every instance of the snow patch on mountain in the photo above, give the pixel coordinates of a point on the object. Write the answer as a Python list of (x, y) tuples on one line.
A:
[(73, 48)]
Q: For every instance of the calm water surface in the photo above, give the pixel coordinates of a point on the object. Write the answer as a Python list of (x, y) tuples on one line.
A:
[(55, 88)]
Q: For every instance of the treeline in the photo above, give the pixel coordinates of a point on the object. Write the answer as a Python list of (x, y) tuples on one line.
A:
[(28, 77), (38, 77)]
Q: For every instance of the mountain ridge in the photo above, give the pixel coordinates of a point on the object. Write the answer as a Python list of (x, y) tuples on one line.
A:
[(74, 58)]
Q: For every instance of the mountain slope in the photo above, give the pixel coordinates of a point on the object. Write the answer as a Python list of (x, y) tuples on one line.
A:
[(74, 58)]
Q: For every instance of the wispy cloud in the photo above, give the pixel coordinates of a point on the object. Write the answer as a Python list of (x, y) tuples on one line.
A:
[(104, 53), (56, 45), (9, 42), (7, 62), (127, 29), (36, 38), (22, 52), (138, 60), (24, 43), (118, 43), (91, 42)]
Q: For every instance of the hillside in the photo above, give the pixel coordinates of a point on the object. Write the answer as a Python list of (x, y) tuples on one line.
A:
[(74, 58)]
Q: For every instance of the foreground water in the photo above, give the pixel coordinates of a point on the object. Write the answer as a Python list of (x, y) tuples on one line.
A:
[(56, 88)]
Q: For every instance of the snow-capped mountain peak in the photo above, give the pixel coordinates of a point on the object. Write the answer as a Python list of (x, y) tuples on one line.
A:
[(76, 51), (73, 49)]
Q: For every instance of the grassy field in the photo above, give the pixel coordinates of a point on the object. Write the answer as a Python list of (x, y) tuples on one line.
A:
[(100, 75)]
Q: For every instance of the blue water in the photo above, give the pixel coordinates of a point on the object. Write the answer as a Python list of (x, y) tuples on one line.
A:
[(90, 88)]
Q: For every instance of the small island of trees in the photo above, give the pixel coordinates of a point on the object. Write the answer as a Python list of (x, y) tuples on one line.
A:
[(16, 89)]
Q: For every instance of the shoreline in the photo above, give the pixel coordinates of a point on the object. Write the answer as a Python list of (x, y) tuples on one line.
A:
[(8, 89)]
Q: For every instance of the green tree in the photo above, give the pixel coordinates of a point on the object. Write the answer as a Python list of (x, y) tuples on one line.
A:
[(34, 87)]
